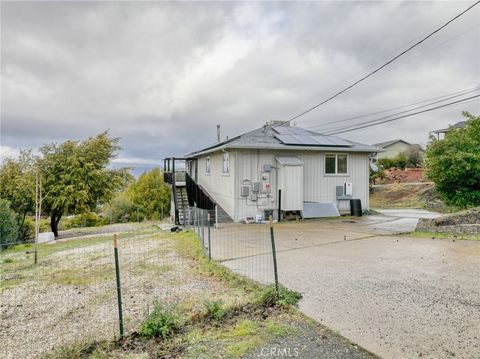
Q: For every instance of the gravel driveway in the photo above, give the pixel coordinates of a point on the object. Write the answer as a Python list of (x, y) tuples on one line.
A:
[(398, 297)]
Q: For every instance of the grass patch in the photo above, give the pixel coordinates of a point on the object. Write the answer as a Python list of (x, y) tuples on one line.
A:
[(282, 297), (188, 245), (81, 276), (93, 350), (151, 268), (435, 235), (278, 330)]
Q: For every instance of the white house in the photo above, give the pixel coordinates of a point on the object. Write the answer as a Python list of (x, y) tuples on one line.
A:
[(393, 148), (282, 169)]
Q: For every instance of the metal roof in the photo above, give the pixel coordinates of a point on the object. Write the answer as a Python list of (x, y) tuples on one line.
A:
[(267, 138), (289, 161)]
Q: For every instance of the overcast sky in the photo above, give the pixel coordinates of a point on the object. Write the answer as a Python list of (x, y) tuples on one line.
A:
[(162, 75)]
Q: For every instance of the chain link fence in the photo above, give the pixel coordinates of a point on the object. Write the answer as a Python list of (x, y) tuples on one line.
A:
[(245, 248), (70, 295)]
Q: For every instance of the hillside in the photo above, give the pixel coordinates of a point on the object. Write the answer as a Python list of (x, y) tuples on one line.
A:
[(406, 195)]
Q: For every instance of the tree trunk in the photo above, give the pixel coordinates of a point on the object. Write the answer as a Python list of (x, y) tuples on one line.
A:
[(54, 220), (20, 227)]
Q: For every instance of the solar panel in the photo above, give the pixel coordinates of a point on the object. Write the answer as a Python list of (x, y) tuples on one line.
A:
[(299, 136)]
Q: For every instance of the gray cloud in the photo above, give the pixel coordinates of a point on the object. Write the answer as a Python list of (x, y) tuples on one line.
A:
[(161, 75)]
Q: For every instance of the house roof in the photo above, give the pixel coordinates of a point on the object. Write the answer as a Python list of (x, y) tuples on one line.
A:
[(272, 137), (460, 124), (392, 142)]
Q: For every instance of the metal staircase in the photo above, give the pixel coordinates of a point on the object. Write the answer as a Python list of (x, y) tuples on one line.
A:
[(184, 215)]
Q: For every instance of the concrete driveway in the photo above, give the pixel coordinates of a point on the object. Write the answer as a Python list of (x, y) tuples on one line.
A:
[(398, 297)]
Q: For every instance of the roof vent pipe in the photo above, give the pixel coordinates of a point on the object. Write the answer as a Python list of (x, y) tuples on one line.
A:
[(218, 133)]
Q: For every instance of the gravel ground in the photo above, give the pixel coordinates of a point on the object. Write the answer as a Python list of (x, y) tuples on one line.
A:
[(71, 295), (311, 341), (398, 297)]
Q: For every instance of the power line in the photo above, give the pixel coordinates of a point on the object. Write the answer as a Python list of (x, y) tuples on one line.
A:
[(444, 98), (371, 123), (384, 65)]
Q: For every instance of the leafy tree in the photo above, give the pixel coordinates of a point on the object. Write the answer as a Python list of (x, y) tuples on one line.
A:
[(150, 194), (414, 158), (17, 185), (453, 164), (120, 209), (8, 224), (76, 177)]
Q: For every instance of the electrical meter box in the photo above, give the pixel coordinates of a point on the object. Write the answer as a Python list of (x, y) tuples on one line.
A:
[(245, 191), (348, 189), (256, 187), (266, 186)]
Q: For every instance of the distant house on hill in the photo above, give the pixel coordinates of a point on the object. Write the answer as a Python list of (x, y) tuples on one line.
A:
[(393, 148), (275, 169), (444, 131)]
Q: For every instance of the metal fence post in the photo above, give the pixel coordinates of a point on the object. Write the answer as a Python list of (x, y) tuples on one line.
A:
[(274, 254), (202, 230), (209, 238), (119, 289)]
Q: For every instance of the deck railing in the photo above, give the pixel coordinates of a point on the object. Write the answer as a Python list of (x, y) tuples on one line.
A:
[(179, 177)]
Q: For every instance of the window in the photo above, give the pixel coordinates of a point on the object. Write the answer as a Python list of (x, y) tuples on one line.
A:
[(226, 164), (208, 164), (336, 164)]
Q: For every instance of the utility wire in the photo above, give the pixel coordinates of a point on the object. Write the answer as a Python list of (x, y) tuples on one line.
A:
[(384, 65), (444, 98), (371, 123)]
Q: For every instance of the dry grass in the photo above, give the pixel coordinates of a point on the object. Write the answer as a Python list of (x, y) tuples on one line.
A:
[(70, 295)]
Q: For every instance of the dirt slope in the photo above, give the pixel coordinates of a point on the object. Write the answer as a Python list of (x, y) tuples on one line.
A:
[(406, 195)]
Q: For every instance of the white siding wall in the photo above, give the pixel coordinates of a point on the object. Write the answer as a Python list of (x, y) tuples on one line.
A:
[(317, 187), (221, 187), (249, 167)]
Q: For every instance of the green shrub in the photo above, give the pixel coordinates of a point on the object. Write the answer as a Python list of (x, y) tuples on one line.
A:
[(399, 161), (270, 296), (215, 310), (121, 209), (90, 219), (163, 321), (45, 225), (8, 225), (27, 231), (453, 164)]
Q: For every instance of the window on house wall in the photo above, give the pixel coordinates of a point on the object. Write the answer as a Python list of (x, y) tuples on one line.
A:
[(336, 163), (226, 164), (208, 164)]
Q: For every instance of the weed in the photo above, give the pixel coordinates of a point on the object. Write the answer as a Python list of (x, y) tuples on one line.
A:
[(215, 310), (8, 260), (282, 297), (278, 330), (163, 321)]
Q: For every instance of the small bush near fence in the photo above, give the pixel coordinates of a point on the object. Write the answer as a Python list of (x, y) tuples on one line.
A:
[(162, 321)]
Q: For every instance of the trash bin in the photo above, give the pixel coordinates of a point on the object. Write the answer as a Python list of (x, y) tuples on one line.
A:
[(268, 213), (356, 207)]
